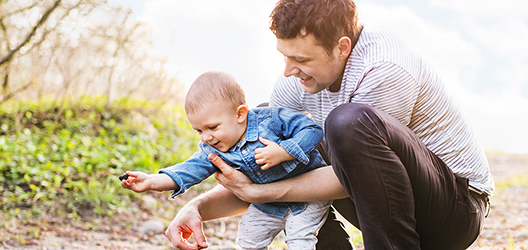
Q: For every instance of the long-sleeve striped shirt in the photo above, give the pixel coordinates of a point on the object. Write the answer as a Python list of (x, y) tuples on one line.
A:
[(381, 71)]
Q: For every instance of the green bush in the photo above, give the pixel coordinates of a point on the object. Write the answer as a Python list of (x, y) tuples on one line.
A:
[(71, 151)]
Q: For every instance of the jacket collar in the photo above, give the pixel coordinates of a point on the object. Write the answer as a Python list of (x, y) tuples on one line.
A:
[(251, 129)]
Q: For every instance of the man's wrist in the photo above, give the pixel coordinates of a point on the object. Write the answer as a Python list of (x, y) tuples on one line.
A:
[(195, 203), (256, 193)]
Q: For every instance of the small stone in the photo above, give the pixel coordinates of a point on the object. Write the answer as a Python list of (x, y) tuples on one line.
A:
[(152, 227)]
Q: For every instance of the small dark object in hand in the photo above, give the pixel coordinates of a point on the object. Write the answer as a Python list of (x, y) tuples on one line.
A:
[(123, 177)]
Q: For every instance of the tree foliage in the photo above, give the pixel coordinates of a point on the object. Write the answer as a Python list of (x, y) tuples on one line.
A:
[(75, 47)]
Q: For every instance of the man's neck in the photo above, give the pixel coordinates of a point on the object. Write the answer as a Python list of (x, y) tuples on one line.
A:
[(336, 86), (356, 37)]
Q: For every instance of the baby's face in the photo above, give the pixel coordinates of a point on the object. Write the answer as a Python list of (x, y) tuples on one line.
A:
[(218, 126)]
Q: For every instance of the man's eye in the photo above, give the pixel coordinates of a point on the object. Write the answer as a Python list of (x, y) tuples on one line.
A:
[(301, 60)]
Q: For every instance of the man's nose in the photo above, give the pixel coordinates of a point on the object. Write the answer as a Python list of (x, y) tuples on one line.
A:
[(290, 69)]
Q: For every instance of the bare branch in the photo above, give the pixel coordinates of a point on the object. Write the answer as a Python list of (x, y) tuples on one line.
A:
[(42, 20), (47, 32), (6, 71), (12, 94), (18, 11), (4, 29)]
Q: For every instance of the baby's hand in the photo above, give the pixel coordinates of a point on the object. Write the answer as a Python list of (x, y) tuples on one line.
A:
[(270, 155), (137, 181)]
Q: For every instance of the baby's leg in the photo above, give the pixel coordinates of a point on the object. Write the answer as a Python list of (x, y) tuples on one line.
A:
[(301, 229), (257, 229)]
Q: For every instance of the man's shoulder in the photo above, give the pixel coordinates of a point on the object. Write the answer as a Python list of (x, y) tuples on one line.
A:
[(376, 48), (378, 44), (371, 37)]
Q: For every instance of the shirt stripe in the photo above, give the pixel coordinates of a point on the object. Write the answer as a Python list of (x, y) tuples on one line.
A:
[(386, 74)]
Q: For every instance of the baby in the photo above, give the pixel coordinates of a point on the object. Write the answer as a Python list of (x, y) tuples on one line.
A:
[(266, 144)]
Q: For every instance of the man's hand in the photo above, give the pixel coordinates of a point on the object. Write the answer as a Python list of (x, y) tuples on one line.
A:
[(270, 155), (186, 223), (137, 181), (235, 181)]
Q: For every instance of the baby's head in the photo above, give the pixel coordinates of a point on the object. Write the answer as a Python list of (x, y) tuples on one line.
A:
[(216, 108)]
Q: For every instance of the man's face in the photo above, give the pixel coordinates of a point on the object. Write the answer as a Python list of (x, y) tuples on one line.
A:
[(311, 64)]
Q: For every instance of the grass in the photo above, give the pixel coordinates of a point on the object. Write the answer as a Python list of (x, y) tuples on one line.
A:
[(519, 180), (62, 157)]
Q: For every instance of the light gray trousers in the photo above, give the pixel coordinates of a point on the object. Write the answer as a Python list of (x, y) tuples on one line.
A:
[(257, 229)]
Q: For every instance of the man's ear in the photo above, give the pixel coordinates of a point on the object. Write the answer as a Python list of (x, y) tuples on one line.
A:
[(345, 47), (242, 112)]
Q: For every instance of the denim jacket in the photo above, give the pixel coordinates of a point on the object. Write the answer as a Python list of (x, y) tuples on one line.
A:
[(294, 132)]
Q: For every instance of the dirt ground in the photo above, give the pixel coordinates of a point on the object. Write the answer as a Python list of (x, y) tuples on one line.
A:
[(507, 224), (505, 228)]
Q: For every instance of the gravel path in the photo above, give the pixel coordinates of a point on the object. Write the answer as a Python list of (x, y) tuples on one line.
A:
[(507, 224), (505, 228)]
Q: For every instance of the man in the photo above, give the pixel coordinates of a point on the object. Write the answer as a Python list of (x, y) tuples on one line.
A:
[(406, 168)]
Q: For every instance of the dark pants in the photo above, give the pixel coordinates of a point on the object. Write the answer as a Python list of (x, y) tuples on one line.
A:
[(401, 195)]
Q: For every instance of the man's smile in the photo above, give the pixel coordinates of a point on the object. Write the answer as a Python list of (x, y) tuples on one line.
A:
[(305, 80)]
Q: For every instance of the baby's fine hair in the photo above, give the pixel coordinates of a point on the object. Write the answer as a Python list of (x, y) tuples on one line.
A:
[(210, 88)]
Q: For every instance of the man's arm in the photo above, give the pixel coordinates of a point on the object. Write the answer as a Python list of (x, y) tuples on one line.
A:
[(219, 202), (316, 185), (222, 201), (216, 203)]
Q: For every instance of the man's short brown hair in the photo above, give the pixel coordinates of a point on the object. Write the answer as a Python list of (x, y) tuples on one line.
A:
[(327, 20)]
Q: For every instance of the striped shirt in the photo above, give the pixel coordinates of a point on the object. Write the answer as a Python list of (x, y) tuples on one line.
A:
[(384, 73)]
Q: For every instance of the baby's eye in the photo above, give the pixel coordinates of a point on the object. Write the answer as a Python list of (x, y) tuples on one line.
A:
[(213, 127), (198, 131)]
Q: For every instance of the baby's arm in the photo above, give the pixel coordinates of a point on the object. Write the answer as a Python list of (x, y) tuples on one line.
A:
[(270, 155), (302, 136), (140, 182)]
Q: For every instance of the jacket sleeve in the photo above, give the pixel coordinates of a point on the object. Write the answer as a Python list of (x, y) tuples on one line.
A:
[(300, 134), (190, 172)]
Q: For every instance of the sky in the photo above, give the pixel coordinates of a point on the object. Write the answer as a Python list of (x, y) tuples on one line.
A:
[(479, 47)]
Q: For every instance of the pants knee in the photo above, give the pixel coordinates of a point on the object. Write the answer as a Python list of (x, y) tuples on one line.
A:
[(344, 120)]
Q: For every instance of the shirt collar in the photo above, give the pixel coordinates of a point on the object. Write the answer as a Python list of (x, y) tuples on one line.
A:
[(251, 129)]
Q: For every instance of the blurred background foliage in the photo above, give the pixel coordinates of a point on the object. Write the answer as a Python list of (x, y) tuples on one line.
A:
[(70, 152), (82, 99)]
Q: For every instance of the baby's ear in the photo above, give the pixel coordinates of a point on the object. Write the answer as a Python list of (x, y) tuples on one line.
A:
[(242, 112)]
